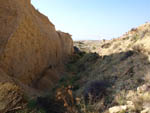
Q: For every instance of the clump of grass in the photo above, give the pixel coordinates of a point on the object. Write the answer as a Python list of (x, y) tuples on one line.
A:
[(69, 80), (116, 45), (121, 98), (140, 100), (74, 104), (135, 38), (93, 47), (46, 104), (83, 107), (139, 48)]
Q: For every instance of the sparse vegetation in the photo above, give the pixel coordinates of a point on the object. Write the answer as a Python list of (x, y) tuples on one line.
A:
[(121, 98), (46, 104), (138, 48), (94, 82), (106, 45), (94, 48)]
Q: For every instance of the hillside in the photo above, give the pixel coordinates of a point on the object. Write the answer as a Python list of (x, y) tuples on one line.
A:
[(108, 76), (111, 76), (122, 62)]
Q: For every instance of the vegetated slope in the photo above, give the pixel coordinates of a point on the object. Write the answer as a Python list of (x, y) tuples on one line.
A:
[(124, 63), (108, 76), (32, 52)]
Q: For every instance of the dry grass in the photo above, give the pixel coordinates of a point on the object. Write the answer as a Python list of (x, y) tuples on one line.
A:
[(66, 95), (75, 104)]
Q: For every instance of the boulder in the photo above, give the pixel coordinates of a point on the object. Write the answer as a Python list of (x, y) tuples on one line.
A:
[(117, 109)]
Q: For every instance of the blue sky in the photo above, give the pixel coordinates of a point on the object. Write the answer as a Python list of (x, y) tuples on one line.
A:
[(95, 19)]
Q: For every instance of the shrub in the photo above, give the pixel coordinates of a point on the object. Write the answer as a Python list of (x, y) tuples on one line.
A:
[(31, 104), (106, 45), (135, 38), (95, 91), (47, 104), (93, 47), (76, 50), (127, 55), (139, 48), (50, 105)]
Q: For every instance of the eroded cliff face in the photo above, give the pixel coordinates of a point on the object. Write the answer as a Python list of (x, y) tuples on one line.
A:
[(31, 50)]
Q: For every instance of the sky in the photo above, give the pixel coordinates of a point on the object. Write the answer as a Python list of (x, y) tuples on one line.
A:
[(95, 19)]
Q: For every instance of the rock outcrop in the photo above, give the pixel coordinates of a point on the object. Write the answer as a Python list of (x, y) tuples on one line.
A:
[(31, 50)]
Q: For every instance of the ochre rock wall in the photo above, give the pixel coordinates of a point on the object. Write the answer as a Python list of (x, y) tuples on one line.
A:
[(29, 43)]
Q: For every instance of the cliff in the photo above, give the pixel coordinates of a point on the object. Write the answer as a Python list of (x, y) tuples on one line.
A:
[(31, 50)]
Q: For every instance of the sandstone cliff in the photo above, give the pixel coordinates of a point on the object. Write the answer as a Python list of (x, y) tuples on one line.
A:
[(31, 50)]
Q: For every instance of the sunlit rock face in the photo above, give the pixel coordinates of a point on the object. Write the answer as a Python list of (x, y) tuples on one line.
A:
[(31, 50)]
